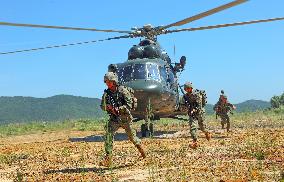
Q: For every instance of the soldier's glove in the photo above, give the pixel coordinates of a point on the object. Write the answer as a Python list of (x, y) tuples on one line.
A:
[(112, 110)]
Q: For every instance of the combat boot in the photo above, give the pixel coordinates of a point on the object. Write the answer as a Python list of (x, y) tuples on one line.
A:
[(194, 145), (106, 161), (141, 150), (208, 135), (228, 127)]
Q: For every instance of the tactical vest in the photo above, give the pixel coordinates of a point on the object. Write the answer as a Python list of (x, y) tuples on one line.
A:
[(119, 97), (223, 108)]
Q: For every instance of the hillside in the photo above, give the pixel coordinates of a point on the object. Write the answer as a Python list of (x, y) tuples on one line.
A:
[(59, 107), (62, 107)]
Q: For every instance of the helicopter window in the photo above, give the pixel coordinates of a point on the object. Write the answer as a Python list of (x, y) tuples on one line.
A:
[(124, 73), (139, 71), (171, 78), (163, 73), (153, 72)]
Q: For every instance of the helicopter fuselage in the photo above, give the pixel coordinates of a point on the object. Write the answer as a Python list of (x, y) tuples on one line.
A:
[(154, 84)]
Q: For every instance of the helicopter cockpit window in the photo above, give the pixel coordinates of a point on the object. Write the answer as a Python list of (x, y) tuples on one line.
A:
[(163, 73), (124, 73), (139, 71), (171, 77), (153, 72)]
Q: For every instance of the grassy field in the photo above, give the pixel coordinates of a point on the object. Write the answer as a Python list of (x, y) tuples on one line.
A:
[(68, 151)]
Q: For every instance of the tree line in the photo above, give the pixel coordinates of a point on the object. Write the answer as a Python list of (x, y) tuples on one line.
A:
[(277, 101)]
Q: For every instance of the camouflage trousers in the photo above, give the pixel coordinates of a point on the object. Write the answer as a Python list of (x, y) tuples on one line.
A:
[(124, 121), (225, 119), (193, 122)]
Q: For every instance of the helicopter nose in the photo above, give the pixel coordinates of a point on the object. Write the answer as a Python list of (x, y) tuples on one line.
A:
[(151, 86)]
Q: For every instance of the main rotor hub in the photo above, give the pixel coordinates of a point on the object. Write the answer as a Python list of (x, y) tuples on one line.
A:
[(148, 31)]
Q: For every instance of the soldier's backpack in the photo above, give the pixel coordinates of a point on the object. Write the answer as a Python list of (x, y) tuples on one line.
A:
[(204, 97), (130, 92)]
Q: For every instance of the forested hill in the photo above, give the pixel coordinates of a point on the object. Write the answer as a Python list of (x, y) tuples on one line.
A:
[(59, 107), (62, 107)]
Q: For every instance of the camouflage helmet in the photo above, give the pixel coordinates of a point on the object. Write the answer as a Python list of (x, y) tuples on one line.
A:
[(224, 96), (111, 76), (188, 85)]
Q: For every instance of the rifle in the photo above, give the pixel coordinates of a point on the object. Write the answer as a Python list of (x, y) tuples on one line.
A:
[(192, 107), (114, 110)]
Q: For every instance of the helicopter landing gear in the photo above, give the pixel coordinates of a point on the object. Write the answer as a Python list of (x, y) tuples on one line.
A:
[(147, 129)]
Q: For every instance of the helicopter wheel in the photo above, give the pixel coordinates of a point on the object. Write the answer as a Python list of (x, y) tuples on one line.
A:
[(151, 130), (144, 130)]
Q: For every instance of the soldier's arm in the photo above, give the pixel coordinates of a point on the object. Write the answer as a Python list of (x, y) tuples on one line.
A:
[(104, 102), (232, 106)]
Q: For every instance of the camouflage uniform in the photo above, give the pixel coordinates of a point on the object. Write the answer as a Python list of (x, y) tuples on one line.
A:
[(222, 109), (122, 100), (124, 120), (196, 112)]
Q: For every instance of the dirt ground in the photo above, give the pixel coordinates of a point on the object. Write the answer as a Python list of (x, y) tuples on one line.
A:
[(242, 155)]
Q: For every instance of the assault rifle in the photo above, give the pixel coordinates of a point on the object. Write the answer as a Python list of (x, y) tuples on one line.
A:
[(113, 109), (193, 109)]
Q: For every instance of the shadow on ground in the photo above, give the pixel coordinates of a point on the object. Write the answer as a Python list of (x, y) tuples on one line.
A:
[(82, 170), (117, 137)]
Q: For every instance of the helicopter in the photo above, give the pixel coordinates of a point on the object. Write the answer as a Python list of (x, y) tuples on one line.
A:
[(149, 71)]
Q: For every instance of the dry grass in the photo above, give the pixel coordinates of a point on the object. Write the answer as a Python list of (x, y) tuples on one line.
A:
[(254, 151)]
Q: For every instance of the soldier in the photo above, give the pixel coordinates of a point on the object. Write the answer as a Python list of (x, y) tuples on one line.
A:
[(193, 100), (118, 101), (222, 107)]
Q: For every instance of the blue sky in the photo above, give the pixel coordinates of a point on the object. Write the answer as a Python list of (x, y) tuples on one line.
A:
[(246, 61)]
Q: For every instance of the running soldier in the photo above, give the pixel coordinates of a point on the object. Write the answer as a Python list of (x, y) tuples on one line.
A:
[(193, 101), (118, 101), (222, 108)]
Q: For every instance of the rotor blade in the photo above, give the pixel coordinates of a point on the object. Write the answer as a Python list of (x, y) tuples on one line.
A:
[(204, 14), (59, 27), (65, 45), (224, 25)]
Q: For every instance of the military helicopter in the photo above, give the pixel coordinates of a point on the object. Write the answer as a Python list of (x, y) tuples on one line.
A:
[(148, 69)]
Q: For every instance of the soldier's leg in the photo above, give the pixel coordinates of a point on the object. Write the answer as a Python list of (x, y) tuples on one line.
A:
[(202, 126), (228, 122), (110, 128), (201, 123), (223, 121), (193, 128), (131, 133)]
